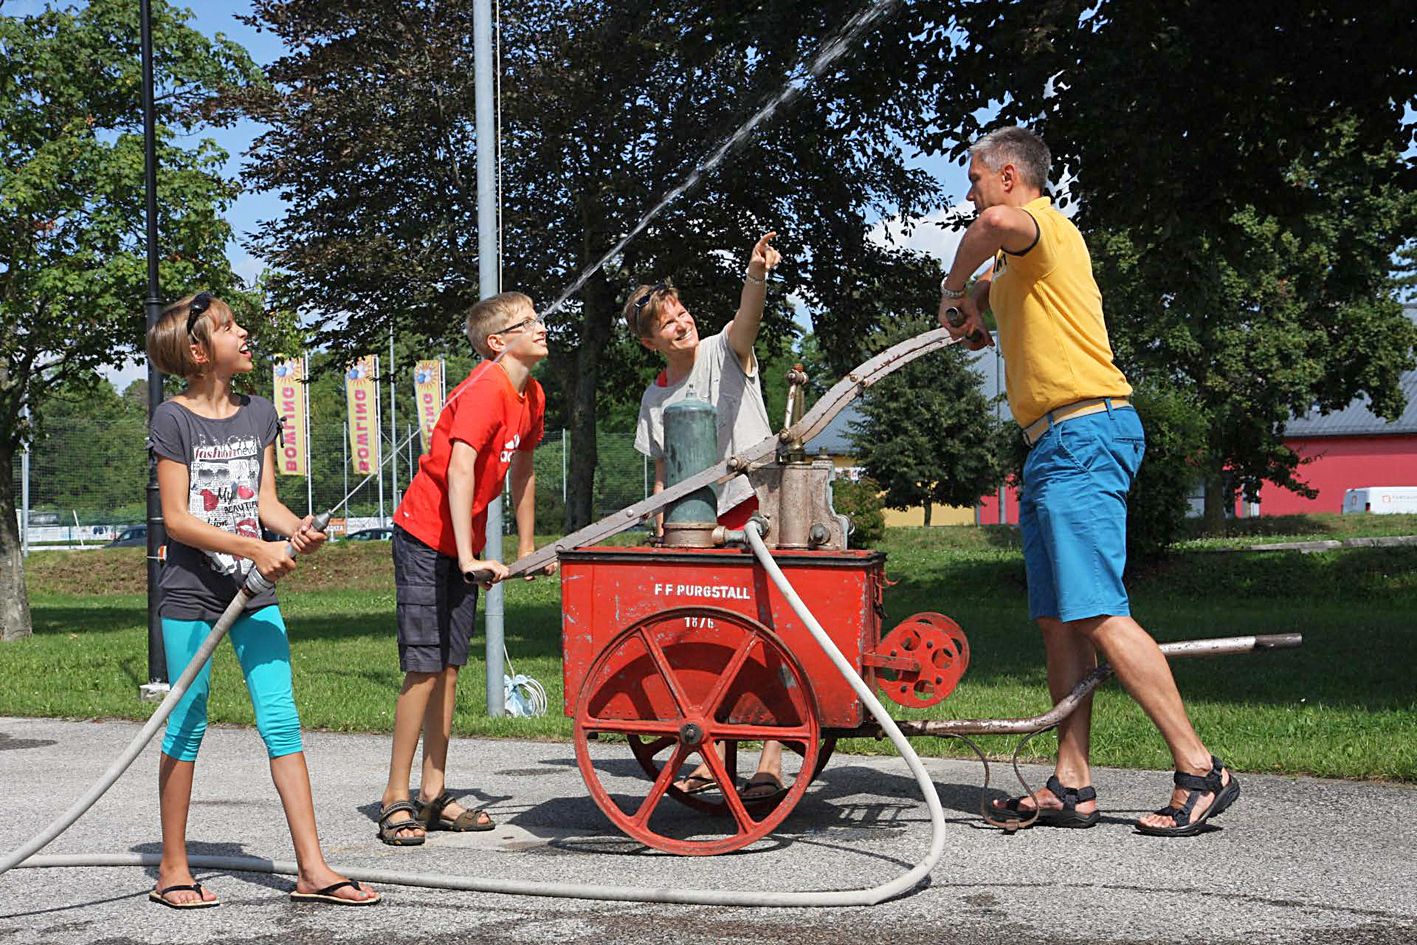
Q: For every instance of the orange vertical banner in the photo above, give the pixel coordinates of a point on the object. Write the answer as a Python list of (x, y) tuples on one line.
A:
[(362, 398), (428, 391), (289, 395)]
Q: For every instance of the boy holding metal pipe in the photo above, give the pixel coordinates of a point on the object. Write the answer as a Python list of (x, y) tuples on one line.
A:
[(722, 370), (489, 426)]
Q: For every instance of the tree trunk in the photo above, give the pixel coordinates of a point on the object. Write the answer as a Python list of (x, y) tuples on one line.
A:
[(599, 302), (14, 601), (929, 505), (1216, 495)]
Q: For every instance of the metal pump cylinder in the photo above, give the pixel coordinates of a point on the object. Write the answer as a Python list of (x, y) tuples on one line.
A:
[(690, 446)]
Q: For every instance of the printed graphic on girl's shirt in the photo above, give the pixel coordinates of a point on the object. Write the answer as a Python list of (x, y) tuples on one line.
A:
[(225, 479)]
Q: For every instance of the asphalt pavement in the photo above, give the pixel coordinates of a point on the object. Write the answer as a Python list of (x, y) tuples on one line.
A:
[(1296, 860)]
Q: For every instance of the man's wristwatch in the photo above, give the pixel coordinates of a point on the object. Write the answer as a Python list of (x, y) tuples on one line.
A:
[(946, 293)]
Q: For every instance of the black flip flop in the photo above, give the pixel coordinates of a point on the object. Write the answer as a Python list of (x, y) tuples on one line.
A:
[(775, 786), (327, 895), (159, 896)]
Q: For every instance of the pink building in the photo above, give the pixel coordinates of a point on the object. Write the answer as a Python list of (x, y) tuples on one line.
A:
[(1347, 450)]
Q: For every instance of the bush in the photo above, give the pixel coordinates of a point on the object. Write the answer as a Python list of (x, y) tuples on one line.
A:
[(1175, 435), (860, 502), (1157, 505)]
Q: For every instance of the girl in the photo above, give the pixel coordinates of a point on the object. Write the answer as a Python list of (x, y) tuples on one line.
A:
[(215, 470)]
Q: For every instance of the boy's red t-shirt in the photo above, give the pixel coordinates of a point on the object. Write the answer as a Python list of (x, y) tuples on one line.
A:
[(485, 412)]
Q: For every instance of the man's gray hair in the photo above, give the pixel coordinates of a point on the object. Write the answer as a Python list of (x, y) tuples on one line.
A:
[(1019, 147)]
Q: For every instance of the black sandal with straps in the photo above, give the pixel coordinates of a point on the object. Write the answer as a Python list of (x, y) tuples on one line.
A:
[(1068, 816), (1224, 794)]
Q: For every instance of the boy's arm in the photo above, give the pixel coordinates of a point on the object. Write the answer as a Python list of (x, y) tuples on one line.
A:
[(743, 330), (523, 476), (462, 478)]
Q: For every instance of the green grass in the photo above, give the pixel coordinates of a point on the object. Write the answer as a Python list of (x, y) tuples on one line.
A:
[(1345, 705)]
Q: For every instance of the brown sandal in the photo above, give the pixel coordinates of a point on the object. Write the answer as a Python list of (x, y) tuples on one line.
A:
[(389, 831), (431, 815)]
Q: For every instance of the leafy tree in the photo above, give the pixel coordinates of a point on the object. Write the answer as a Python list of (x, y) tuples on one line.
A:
[(604, 109), (89, 457), (72, 265), (860, 501), (927, 431), (1242, 187)]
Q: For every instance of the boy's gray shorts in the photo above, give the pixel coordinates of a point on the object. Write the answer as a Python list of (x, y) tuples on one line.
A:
[(436, 608)]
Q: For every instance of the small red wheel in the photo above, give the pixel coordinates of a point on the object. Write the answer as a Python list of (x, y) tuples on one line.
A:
[(677, 685)]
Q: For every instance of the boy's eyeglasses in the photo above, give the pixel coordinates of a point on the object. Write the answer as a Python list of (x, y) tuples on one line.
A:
[(197, 308), (521, 325)]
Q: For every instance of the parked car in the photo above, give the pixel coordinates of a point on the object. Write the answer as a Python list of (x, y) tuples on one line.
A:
[(371, 534), (134, 536)]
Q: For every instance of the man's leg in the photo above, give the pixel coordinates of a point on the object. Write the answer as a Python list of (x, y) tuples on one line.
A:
[(1070, 657), (1142, 670)]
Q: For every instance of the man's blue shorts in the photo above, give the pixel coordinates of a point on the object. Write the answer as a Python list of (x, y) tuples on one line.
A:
[(1073, 514)]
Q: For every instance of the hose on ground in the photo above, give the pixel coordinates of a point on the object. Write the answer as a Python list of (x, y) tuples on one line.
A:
[(24, 856)]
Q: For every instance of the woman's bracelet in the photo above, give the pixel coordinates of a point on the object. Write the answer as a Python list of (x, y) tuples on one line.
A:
[(751, 279)]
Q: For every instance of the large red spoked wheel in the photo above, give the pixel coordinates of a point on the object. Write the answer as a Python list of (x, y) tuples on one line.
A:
[(678, 685)]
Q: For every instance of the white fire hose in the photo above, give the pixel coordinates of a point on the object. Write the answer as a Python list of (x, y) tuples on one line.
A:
[(24, 856)]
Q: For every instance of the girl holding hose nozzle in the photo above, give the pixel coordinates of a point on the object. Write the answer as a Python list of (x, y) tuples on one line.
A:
[(215, 468)]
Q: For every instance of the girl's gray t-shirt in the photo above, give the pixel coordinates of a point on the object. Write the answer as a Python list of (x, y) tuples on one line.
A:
[(224, 460), (717, 377)]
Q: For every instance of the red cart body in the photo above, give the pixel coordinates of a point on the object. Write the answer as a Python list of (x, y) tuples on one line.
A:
[(606, 590)]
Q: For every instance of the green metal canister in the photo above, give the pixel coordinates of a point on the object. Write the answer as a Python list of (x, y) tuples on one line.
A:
[(690, 447)]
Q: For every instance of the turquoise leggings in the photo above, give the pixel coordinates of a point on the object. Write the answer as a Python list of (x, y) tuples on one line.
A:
[(263, 650)]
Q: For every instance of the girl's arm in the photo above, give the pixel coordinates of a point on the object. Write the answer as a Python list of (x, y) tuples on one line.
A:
[(659, 477), (173, 481), (279, 519)]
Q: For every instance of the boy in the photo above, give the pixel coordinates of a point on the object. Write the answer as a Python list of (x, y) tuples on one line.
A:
[(723, 371), (489, 425)]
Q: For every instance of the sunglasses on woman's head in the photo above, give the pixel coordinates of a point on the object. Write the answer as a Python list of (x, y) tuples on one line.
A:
[(643, 300)]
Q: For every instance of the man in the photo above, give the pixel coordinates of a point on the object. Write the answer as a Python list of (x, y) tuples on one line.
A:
[(1086, 444)]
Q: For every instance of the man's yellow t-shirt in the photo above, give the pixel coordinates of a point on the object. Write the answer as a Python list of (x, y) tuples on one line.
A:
[(1051, 329)]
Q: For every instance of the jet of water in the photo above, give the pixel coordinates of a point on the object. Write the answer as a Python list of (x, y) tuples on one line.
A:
[(832, 50)]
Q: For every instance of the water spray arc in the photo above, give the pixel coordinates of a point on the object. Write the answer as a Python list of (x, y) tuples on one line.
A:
[(832, 50)]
